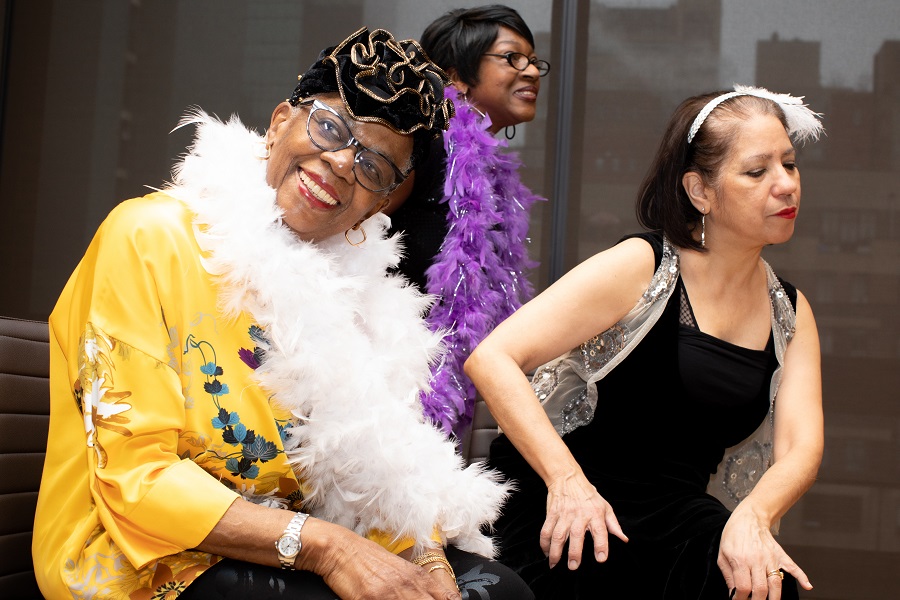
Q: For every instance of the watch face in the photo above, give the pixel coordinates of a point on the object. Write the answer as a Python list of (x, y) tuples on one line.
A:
[(288, 546)]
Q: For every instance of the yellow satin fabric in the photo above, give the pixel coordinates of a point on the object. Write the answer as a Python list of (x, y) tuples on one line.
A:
[(173, 425)]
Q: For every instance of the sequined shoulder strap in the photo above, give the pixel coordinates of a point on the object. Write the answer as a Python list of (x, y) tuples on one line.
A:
[(565, 385)]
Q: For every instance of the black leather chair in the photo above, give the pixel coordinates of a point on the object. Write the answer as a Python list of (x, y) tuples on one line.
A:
[(24, 419)]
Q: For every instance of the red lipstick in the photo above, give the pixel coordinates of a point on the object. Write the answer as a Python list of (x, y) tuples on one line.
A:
[(788, 213), (323, 184)]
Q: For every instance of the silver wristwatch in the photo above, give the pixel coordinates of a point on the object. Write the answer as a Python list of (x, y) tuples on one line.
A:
[(289, 545)]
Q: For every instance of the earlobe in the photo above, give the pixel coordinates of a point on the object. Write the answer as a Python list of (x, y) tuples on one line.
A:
[(378, 207), (695, 188), (461, 87)]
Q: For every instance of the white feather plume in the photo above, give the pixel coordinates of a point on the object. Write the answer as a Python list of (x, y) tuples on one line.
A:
[(348, 351), (803, 123)]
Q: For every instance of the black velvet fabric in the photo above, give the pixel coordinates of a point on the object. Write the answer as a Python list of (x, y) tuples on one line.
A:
[(650, 449)]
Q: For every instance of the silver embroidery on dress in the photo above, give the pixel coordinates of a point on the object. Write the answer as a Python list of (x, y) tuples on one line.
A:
[(566, 386), (744, 464)]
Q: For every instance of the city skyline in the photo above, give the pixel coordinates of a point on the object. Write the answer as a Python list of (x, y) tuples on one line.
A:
[(850, 32)]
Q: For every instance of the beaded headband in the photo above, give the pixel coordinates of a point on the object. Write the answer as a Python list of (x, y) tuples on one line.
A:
[(803, 124)]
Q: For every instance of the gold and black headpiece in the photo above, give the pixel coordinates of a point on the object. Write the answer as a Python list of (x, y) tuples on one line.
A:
[(385, 81)]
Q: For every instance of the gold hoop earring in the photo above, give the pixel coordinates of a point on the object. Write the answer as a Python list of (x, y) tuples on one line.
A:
[(357, 227)]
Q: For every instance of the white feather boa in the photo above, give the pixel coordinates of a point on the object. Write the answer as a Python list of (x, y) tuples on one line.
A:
[(348, 352)]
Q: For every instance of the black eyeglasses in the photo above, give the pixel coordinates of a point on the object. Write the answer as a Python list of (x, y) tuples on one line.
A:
[(520, 62), (329, 132)]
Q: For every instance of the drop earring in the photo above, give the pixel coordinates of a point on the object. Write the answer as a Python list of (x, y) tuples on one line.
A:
[(703, 231)]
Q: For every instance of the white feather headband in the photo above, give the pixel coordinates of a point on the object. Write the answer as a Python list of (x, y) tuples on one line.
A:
[(803, 124)]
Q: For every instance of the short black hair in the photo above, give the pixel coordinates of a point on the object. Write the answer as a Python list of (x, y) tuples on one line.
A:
[(457, 39)]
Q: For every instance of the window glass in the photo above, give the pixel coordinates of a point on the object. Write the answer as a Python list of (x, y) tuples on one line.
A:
[(91, 90), (644, 57), (96, 87)]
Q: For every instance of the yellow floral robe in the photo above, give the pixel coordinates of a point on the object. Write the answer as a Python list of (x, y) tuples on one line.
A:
[(156, 423)]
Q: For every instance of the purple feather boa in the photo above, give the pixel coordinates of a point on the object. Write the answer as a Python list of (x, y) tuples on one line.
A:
[(480, 272)]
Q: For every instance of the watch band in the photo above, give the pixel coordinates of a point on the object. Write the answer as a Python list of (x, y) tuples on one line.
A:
[(289, 544)]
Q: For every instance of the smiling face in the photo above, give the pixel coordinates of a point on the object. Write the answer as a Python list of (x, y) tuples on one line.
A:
[(756, 197), (317, 190), (507, 95)]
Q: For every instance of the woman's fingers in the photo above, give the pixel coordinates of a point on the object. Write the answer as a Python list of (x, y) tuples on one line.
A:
[(446, 581), (612, 524), (774, 578), (788, 564), (600, 534), (742, 579), (752, 561), (547, 532), (728, 574), (558, 541), (576, 543), (359, 569), (760, 583), (742, 582), (601, 529), (745, 581), (573, 508)]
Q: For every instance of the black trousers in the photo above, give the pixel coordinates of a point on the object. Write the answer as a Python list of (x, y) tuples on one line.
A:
[(478, 578)]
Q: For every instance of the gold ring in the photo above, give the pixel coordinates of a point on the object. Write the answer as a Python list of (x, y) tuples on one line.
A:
[(776, 573)]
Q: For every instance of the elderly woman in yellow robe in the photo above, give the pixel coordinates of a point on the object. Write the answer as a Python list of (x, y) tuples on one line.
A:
[(234, 377)]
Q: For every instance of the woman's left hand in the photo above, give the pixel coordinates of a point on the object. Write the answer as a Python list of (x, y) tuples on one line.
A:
[(751, 559), (443, 577), (437, 570)]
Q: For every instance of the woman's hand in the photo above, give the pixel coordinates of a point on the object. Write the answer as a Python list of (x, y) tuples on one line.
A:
[(435, 568), (445, 580), (749, 555), (748, 552), (353, 567), (573, 507), (358, 569)]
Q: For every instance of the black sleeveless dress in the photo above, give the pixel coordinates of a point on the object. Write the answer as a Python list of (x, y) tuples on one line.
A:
[(664, 418)]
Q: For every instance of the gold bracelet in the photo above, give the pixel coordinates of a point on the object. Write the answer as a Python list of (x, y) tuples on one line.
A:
[(424, 558), (431, 557), (443, 568)]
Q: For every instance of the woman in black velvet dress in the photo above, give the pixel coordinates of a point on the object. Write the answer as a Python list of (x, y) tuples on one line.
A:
[(699, 339)]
